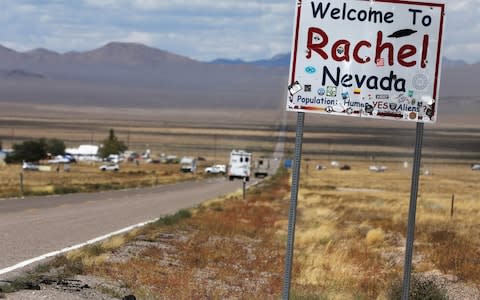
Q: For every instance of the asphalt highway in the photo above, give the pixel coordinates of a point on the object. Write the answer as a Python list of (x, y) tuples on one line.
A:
[(35, 226)]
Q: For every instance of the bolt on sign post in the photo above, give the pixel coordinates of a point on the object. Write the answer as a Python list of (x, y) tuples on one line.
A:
[(377, 59)]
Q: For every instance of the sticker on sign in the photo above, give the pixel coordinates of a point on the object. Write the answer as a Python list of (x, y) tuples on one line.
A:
[(375, 59)]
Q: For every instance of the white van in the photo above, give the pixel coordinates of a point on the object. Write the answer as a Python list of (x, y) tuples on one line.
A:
[(188, 164), (239, 166)]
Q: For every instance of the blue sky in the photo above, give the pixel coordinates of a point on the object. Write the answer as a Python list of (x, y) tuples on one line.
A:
[(200, 29)]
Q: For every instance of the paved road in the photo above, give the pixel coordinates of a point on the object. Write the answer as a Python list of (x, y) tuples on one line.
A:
[(34, 226)]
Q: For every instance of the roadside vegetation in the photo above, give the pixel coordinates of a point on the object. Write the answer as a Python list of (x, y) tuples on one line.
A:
[(35, 150), (350, 239), (86, 177), (352, 225)]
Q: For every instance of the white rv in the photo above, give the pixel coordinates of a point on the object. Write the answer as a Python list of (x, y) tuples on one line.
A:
[(239, 165)]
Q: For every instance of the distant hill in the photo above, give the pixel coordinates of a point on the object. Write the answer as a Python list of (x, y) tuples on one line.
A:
[(135, 75)]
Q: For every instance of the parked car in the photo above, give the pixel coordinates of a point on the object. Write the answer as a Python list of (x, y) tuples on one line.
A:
[(110, 167), (62, 159), (475, 167), (29, 166), (377, 169), (216, 169)]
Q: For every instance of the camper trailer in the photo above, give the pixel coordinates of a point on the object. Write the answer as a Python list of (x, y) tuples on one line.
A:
[(188, 164), (262, 167), (239, 165)]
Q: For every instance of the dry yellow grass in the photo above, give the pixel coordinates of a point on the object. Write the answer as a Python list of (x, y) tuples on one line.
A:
[(375, 237), (86, 177), (352, 224)]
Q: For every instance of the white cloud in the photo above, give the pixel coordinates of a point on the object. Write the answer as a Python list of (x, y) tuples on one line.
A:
[(139, 37), (103, 3)]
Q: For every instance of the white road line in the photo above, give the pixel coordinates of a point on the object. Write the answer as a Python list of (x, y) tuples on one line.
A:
[(54, 253)]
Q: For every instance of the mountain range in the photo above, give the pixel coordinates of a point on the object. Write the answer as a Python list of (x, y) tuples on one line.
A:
[(135, 75), (129, 74)]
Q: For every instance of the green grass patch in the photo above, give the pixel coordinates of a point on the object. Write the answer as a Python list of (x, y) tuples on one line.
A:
[(170, 220), (66, 189)]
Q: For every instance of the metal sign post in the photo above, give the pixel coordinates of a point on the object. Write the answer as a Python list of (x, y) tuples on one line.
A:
[(407, 270), (292, 216)]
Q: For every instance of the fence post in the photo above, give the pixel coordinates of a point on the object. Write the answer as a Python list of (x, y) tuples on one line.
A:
[(21, 185), (453, 204), (244, 187)]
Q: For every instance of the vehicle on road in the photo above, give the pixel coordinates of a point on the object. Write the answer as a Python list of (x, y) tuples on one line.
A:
[(216, 169), (239, 165), (261, 167), (188, 164), (110, 167)]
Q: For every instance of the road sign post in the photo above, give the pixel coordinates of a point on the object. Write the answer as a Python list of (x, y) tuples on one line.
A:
[(369, 59), (412, 212), (292, 214)]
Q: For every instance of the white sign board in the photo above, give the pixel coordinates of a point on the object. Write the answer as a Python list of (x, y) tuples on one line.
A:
[(376, 59)]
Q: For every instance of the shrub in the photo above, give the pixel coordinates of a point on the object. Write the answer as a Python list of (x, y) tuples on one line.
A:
[(174, 219), (420, 289), (375, 236), (65, 189)]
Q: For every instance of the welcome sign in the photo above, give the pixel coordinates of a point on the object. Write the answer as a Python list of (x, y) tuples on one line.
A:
[(375, 59)]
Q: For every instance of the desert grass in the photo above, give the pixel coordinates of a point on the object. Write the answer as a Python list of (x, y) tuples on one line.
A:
[(352, 225), (86, 177)]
